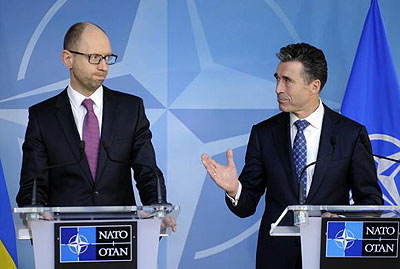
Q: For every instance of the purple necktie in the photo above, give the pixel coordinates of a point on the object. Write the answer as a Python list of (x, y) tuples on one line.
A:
[(91, 136)]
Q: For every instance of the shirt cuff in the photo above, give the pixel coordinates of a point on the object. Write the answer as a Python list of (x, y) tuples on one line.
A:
[(235, 199)]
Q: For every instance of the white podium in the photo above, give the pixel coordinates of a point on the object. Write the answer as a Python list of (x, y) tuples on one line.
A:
[(360, 242), (102, 237)]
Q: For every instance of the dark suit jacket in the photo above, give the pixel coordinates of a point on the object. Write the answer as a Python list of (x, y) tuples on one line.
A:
[(269, 168), (52, 139)]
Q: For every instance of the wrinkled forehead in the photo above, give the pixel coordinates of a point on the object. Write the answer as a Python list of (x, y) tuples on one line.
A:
[(290, 69)]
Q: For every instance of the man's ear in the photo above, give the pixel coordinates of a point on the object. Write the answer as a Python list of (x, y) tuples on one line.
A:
[(316, 86), (67, 58)]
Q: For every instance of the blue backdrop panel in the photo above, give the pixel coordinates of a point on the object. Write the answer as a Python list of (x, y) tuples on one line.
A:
[(205, 71)]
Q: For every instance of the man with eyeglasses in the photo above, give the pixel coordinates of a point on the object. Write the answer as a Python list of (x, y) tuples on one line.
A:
[(81, 144)]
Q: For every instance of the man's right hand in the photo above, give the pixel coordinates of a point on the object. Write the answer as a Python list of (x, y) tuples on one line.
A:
[(225, 177)]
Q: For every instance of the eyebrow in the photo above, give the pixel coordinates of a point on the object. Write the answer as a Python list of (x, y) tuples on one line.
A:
[(287, 78), (284, 77)]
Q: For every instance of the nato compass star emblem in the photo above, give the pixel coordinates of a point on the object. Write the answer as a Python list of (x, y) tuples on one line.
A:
[(344, 239), (78, 244), (151, 68), (388, 171)]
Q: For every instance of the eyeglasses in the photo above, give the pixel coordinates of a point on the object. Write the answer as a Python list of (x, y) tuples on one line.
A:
[(96, 58)]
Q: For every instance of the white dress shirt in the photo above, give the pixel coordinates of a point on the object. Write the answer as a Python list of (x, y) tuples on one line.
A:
[(79, 111), (312, 134)]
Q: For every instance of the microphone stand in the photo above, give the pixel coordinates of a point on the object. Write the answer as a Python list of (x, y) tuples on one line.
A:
[(49, 167), (364, 141), (160, 202), (301, 185), (301, 216), (26, 218)]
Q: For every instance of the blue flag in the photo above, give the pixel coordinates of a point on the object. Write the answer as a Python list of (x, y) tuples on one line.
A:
[(8, 248), (373, 99)]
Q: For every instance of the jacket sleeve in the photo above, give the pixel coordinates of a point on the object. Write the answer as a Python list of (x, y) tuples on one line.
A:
[(144, 156), (252, 178), (34, 160)]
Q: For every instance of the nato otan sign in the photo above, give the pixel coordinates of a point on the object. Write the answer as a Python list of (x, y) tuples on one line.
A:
[(362, 239), (96, 244)]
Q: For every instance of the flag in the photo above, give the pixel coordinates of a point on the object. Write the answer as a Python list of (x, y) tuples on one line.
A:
[(8, 248), (372, 98)]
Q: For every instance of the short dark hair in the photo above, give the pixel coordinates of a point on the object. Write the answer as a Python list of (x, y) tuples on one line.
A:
[(312, 58), (74, 34)]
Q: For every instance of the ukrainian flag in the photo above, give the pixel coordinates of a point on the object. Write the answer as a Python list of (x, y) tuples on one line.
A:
[(8, 248)]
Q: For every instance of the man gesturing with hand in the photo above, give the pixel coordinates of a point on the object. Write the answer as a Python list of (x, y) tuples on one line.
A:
[(226, 177), (279, 149)]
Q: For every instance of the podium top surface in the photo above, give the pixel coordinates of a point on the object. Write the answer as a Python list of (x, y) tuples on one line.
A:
[(96, 209), (95, 212), (301, 213), (319, 210), (164, 212)]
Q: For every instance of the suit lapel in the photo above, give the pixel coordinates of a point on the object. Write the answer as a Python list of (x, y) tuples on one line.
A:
[(281, 134), (324, 152), (109, 112), (67, 123)]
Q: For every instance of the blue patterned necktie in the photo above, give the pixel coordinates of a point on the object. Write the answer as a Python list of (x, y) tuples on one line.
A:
[(300, 153)]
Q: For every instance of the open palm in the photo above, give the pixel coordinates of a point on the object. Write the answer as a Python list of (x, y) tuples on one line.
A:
[(225, 176)]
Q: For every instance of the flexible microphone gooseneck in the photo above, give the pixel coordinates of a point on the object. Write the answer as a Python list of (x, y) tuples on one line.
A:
[(302, 199), (364, 141), (49, 167), (160, 200)]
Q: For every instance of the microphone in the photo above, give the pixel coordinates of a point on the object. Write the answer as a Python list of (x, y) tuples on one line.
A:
[(154, 170), (301, 183), (365, 142), (49, 167)]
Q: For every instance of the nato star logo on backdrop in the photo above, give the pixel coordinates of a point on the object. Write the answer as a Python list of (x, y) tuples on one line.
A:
[(388, 171), (197, 98)]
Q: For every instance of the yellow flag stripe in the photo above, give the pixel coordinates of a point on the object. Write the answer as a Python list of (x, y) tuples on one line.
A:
[(6, 262)]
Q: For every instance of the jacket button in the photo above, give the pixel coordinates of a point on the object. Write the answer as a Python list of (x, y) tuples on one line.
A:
[(96, 193)]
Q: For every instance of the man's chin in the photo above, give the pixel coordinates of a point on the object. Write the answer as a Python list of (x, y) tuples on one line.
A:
[(283, 107), (94, 87)]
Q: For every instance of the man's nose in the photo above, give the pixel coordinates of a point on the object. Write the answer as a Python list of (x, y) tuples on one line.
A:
[(279, 87), (103, 65)]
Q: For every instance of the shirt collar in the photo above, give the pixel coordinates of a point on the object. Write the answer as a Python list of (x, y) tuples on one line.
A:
[(77, 98), (315, 118)]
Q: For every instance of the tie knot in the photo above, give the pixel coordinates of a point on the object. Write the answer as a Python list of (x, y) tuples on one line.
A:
[(301, 125), (88, 104)]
